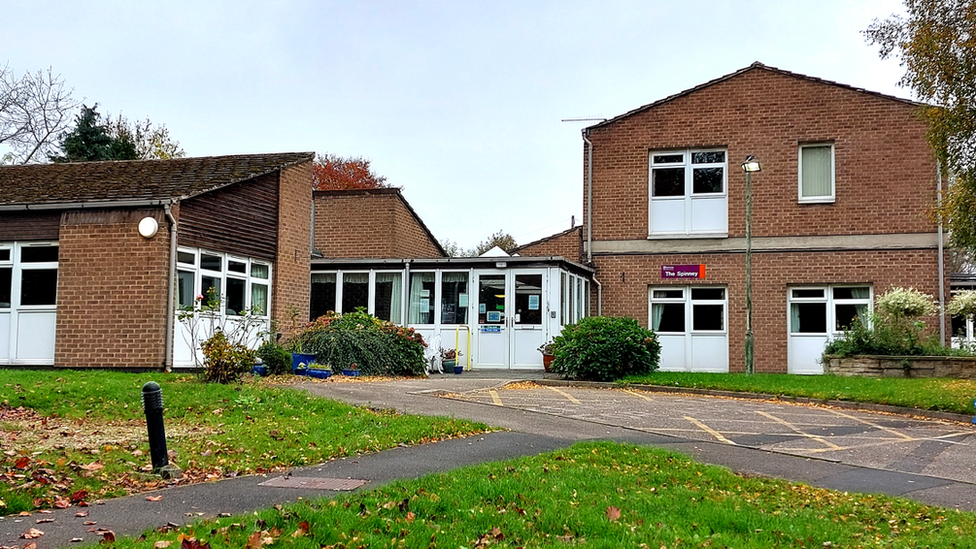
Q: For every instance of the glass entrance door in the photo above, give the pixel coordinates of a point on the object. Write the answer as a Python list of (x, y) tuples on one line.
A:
[(511, 318), (492, 333)]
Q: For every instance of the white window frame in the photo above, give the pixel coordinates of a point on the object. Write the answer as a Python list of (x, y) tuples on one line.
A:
[(690, 198), (224, 273), (831, 302), (689, 305), (824, 199)]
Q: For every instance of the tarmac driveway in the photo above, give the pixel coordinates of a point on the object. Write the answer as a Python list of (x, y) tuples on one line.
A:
[(870, 439)]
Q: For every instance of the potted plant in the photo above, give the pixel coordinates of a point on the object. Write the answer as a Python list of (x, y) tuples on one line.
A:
[(449, 358), (319, 371), (548, 350), (351, 371)]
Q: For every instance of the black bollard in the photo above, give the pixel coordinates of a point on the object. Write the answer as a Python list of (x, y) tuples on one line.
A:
[(152, 403)]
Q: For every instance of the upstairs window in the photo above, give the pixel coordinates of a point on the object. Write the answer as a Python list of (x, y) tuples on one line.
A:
[(688, 193), (816, 173)]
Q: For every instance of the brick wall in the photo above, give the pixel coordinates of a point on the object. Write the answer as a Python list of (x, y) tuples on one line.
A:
[(626, 280), (112, 291), (292, 266), (567, 244), (885, 173), (376, 223)]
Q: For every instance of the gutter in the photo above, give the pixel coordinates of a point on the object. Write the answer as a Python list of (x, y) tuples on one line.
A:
[(88, 204), (171, 301)]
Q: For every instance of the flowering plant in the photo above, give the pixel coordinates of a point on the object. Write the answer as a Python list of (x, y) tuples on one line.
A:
[(450, 354), (547, 348)]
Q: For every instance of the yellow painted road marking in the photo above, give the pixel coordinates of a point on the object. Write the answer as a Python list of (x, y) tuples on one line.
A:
[(872, 424), (565, 394), (800, 432), (710, 431), (635, 393), (495, 399)]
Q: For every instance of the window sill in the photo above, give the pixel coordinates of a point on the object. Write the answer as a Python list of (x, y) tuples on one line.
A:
[(824, 200), (674, 236)]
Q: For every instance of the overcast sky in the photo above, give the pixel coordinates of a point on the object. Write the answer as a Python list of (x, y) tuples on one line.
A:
[(460, 103)]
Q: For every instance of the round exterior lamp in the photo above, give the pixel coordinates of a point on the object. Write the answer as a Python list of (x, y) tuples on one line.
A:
[(148, 227)]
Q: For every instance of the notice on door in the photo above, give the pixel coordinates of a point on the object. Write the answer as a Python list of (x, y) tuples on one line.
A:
[(683, 271)]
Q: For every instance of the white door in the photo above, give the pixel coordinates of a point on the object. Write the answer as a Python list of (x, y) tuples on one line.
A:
[(527, 297), (492, 332), (808, 330)]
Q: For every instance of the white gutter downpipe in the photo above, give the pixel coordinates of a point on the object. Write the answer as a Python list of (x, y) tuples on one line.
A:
[(942, 304), (589, 220), (589, 198), (171, 301)]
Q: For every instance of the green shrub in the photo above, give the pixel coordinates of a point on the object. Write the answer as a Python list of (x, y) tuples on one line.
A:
[(223, 361), (602, 348), (275, 357), (374, 346)]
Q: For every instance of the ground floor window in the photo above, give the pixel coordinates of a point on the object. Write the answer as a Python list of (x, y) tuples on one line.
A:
[(28, 302), (379, 292), (692, 326), (816, 315), (574, 298), (239, 285)]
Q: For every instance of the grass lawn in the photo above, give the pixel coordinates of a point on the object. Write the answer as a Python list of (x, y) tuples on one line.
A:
[(948, 395), (72, 436), (592, 495)]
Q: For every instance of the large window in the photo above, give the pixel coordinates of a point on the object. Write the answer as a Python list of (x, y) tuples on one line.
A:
[(388, 297), (454, 298), (828, 309), (323, 294), (239, 285), (421, 309), (688, 193), (674, 309), (816, 172)]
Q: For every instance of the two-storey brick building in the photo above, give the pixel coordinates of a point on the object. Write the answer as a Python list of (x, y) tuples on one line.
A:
[(841, 212)]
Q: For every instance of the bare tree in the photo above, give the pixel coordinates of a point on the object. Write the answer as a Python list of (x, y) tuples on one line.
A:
[(34, 111)]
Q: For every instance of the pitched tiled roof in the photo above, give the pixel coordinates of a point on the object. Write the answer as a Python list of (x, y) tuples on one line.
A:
[(755, 66), (133, 180)]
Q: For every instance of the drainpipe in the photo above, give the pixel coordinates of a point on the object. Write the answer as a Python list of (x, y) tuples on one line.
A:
[(171, 306), (589, 198), (405, 300), (942, 311), (599, 297)]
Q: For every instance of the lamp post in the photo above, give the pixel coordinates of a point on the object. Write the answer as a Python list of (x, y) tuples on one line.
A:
[(749, 165)]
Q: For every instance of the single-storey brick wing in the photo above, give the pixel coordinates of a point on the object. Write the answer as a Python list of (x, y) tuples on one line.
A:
[(95, 257)]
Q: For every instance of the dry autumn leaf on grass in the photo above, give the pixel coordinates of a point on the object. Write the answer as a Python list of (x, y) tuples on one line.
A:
[(613, 513)]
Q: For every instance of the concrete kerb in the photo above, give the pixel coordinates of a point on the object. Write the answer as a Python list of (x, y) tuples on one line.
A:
[(843, 404)]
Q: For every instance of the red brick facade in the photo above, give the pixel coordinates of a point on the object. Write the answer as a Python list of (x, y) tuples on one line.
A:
[(292, 266), (877, 230), (111, 290), (374, 223), (567, 244)]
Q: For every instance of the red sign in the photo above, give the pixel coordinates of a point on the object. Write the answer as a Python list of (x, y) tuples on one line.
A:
[(682, 271)]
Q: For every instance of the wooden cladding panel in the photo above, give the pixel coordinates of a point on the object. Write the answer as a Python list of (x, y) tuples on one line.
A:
[(239, 219), (22, 226)]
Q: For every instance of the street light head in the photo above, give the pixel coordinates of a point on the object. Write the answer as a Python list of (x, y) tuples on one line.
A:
[(751, 164)]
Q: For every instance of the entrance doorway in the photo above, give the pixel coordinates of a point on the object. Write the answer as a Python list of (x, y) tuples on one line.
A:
[(510, 318)]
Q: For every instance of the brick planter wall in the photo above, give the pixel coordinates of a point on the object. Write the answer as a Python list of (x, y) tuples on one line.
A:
[(902, 366)]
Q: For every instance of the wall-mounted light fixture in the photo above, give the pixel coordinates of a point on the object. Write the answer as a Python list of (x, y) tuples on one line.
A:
[(148, 226)]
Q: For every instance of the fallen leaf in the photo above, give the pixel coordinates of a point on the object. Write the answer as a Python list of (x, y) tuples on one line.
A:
[(23, 462), (108, 536), (81, 514), (154, 498), (30, 545), (75, 540), (43, 520), (410, 516), (162, 544), (613, 513), (62, 503), (32, 533)]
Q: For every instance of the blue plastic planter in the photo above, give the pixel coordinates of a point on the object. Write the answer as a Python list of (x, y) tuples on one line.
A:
[(297, 359)]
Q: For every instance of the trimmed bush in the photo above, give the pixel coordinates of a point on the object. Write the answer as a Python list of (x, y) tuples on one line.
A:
[(603, 348), (361, 341), (224, 361), (275, 357)]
